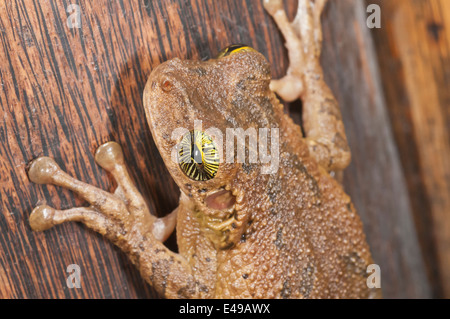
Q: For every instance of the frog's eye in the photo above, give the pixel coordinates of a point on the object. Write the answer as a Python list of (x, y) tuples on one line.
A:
[(234, 48), (198, 156)]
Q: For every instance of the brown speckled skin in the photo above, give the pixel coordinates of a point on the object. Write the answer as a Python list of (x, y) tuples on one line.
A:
[(298, 234), (292, 234)]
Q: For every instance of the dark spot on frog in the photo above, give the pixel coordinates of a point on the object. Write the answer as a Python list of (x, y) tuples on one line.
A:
[(157, 250), (207, 259), (199, 71), (313, 185), (202, 288), (272, 195), (166, 136), (187, 291), (354, 264), (248, 168), (233, 225), (237, 102), (273, 210), (202, 190), (279, 240), (328, 107), (273, 188), (160, 273), (241, 85), (307, 282), (245, 276), (188, 186), (243, 238), (266, 104), (141, 247), (286, 290), (340, 142), (190, 195), (349, 207), (264, 69)]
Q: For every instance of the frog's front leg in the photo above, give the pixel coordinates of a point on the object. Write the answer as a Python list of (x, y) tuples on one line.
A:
[(122, 217), (322, 119)]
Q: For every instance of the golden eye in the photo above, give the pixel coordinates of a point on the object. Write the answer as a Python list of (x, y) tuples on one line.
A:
[(234, 48), (198, 156)]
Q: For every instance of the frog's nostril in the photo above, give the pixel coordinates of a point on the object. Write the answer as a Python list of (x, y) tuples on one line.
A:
[(166, 85)]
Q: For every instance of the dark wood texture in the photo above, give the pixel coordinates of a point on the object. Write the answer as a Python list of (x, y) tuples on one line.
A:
[(66, 91)]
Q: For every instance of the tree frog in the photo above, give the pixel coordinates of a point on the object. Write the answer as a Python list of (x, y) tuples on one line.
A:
[(276, 225)]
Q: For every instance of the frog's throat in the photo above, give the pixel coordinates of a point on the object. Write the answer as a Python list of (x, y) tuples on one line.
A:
[(224, 229), (220, 231)]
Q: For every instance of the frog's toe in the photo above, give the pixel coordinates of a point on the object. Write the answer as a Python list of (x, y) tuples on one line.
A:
[(108, 155), (288, 88), (272, 6), (41, 218), (42, 169)]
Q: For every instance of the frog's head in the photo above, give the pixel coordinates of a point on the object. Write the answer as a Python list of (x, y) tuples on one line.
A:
[(189, 107)]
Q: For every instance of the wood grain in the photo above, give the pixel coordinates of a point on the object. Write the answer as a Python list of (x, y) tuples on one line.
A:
[(66, 91), (413, 50)]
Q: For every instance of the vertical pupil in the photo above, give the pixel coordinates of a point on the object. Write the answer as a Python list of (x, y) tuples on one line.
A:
[(196, 154)]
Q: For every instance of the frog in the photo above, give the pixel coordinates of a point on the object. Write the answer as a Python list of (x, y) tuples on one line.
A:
[(243, 230)]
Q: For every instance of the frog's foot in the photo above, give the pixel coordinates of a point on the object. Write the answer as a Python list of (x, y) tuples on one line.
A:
[(108, 213), (322, 121), (123, 217), (44, 217), (303, 40)]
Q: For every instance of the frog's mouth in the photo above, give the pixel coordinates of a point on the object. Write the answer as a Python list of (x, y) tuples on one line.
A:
[(221, 200)]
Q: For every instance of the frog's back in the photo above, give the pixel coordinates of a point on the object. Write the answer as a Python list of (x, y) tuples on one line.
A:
[(304, 239)]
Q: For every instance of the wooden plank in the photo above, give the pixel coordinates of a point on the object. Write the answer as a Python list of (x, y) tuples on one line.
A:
[(374, 179), (65, 91), (413, 47)]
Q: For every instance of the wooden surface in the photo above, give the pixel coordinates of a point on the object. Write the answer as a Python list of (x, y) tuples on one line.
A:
[(414, 56), (66, 91)]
